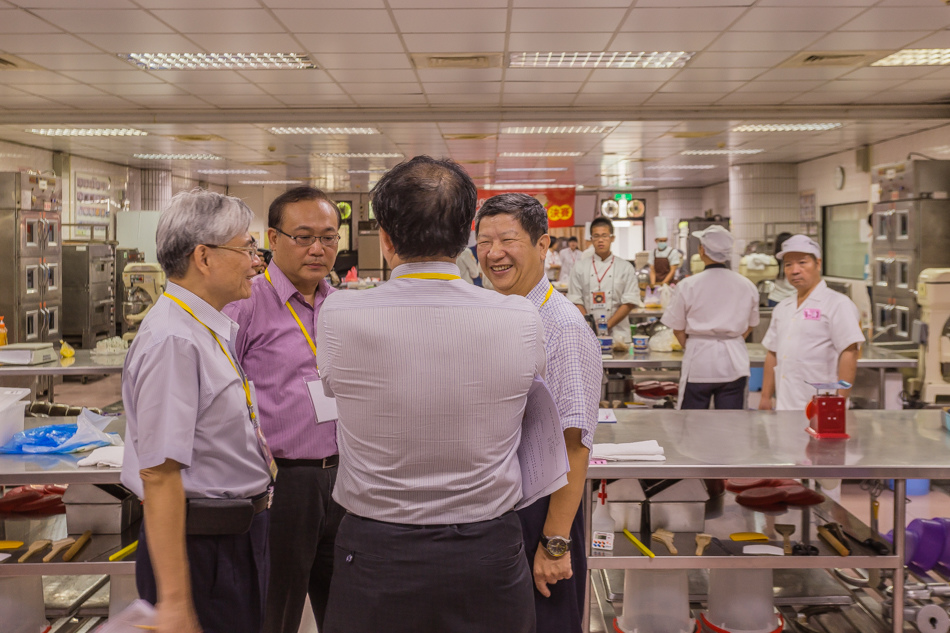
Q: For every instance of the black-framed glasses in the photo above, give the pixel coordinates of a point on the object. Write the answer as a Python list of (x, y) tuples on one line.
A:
[(250, 251), (330, 241)]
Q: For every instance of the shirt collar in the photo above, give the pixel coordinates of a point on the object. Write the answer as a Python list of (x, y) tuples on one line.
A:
[(817, 293), (596, 257), (715, 265), (216, 321), (285, 290), (444, 268), (537, 294)]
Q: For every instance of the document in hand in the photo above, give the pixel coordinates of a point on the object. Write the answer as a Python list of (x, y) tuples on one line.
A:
[(542, 454)]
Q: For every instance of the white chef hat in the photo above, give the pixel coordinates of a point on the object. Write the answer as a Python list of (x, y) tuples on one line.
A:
[(716, 241), (799, 244), (661, 228)]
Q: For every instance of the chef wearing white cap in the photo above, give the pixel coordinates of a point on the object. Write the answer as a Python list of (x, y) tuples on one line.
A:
[(664, 259), (814, 336), (711, 314)]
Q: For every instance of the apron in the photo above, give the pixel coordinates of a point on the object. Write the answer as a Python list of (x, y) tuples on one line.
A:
[(688, 355), (661, 265)]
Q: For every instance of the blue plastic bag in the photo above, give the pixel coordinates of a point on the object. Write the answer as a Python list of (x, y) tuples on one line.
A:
[(85, 435)]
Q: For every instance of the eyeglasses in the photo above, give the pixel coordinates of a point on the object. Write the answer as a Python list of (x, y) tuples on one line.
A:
[(330, 241), (596, 238), (250, 251)]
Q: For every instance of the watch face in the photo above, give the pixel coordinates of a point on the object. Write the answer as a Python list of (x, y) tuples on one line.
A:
[(556, 546)]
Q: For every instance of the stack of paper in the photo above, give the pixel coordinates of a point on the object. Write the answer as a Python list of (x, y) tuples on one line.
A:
[(646, 451)]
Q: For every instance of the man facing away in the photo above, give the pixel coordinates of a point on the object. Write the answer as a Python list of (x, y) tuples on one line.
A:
[(429, 473), (511, 236), (711, 314), (276, 346)]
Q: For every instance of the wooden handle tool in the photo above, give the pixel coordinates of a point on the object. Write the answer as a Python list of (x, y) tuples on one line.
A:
[(78, 545), (666, 537), (702, 540), (58, 546), (786, 530), (35, 547), (830, 539)]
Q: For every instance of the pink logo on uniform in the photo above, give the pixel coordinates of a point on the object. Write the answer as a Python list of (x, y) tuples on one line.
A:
[(812, 314)]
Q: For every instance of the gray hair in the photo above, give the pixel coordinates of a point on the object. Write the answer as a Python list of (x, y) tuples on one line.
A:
[(197, 217), (529, 212)]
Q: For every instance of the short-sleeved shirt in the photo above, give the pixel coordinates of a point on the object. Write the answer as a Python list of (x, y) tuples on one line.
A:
[(185, 402), (574, 365), (808, 341), (431, 377), (672, 254), (551, 260), (714, 308), (569, 257), (615, 277)]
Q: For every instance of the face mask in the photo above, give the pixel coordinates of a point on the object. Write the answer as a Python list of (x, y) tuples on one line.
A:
[(661, 246)]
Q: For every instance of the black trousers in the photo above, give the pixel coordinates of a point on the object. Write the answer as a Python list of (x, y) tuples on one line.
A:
[(228, 577), (303, 523), (563, 611), (726, 395), (465, 578)]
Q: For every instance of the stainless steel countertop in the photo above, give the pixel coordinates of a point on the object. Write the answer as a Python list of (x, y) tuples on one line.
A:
[(57, 469), (84, 364), (721, 444), (872, 357)]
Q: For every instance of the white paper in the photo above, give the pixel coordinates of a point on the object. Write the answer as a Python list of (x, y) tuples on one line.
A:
[(542, 453), (323, 405), (606, 415), (138, 614)]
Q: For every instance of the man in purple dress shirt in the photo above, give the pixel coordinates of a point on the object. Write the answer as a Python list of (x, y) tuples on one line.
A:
[(276, 347)]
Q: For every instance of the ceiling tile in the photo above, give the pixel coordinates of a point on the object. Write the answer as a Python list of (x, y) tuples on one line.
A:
[(633, 74), (550, 99), (540, 87), (565, 41), (462, 98), (694, 3), (142, 90), (676, 20), (271, 76), (351, 42), (686, 41), (100, 21), (763, 41), (282, 89), (621, 87), (802, 74), (889, 72), (565, 21), (794, 19), (900, 19), (700, 86), (205, 4), (344, 75), (757, 98), (96, 102), (239, 42), (718, 74), (241, 101), (389, 99), (859, 85), (77, 62), (71, 4), (451, 20), (52, 43), (781, 86), (169, 101), (321, 101), (447, 4), (895, 97), (924, 85), (828, 98), (941, 39), (676, 98), (34, 77), (332, 61), (554, 75), (528, 4), (69, 90), (455, 43), (468, 87), (245, 88), (375, 88), (142, 43), (188, 77), (16, 21), (217, 21), (336, 21), (432, 75), (759, 60), (866, 40)]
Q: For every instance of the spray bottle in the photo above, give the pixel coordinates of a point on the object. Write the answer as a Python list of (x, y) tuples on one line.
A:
[(603, 525), (3, 332)]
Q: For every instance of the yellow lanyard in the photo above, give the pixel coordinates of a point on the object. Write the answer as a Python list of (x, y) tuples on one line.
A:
[(442, 276), (247, 387), (313, 347), (547, 296)]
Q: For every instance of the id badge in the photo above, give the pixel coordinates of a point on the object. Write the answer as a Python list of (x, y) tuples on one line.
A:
[(323, 406), (598, 298)]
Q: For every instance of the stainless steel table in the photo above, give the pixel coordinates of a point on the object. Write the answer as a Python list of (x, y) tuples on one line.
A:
[(719, 444), (84, 363)]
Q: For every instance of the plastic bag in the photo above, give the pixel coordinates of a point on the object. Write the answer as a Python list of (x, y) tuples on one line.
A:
[(664, 341), (666, 296), (85, 435), (652, 299)]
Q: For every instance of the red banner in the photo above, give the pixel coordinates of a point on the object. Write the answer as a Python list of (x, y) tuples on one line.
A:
[(559, 203)]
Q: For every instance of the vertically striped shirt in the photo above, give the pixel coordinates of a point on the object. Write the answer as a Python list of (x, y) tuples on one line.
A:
[(430, 378)]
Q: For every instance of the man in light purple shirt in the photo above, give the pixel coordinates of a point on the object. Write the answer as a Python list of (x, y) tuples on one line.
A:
[(276, 347)]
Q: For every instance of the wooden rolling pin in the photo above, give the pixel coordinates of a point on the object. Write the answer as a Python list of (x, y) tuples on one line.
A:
[(702, 540), (58, 546), (830, 539), (35, 547), (78, 545), (666, 537)]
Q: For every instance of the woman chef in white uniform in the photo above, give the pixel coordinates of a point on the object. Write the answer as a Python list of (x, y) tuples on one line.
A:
[(814, 336), (604, 284)]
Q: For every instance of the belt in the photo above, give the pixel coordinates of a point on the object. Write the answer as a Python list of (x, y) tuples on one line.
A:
[(262, 501), (218, 517), (425, 526), (327, 462)]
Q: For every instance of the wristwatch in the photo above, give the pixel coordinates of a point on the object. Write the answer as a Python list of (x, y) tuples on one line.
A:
[(556, 546)]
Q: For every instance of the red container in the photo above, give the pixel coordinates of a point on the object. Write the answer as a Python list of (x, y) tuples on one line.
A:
[(826, 417)]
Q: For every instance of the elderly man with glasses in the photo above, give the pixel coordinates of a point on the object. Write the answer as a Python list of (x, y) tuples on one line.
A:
[(276, 345), (194, 452)]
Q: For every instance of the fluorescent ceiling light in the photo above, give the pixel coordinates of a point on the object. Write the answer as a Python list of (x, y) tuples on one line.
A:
[(219, 61), (527, 186), (629, 59), (531, 169), (666, 167), (563, 129), (89, 131), (787, 127), (543, 180), (719, 152), (540, 154), (324, 130), (917, 57), (231, 171), (359, 155), (366, 171), (177, 156), (271, 182)]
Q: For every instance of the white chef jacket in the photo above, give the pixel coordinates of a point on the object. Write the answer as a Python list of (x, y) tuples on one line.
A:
[(808, 341), (715, 308), (551, 260), (782, 290), (568, 259), (618, 280)]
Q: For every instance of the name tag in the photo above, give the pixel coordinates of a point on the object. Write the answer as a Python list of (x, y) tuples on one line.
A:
[(323, 406), (599, 298), (812, 314)]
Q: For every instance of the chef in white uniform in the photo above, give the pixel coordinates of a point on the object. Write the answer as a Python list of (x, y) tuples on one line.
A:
[(711, 314), (552, 262), (781, 289), (604, 284), (664, 259), (569, 257), (814, 336)]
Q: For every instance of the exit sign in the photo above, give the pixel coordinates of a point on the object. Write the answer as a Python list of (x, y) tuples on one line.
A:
[(623, 196)]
